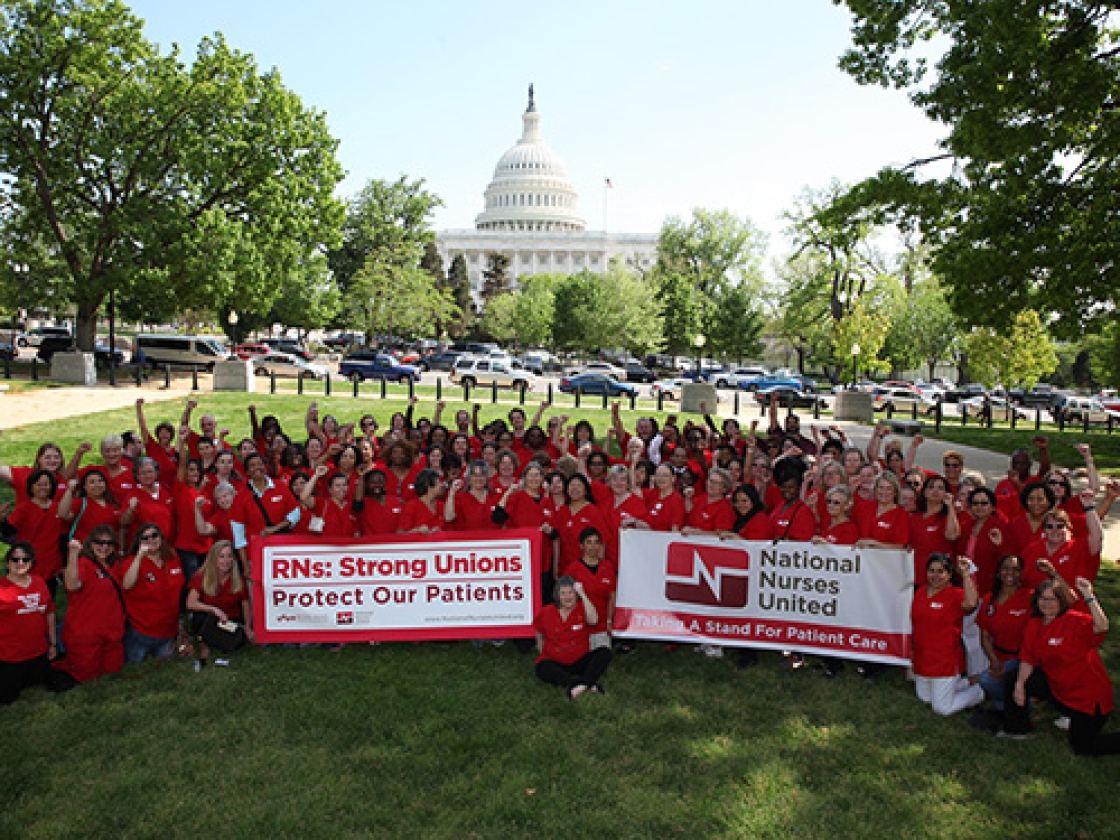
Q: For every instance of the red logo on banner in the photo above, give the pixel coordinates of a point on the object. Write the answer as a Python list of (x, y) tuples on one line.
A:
[(344, 618), (709, 575)]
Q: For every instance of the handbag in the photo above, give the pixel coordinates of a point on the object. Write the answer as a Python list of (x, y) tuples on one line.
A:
[(226, 636)]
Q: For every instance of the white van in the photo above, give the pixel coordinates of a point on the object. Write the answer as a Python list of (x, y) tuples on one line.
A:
[(180, 350)]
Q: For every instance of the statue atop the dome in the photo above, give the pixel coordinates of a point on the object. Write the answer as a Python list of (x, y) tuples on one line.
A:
[(532, 105)]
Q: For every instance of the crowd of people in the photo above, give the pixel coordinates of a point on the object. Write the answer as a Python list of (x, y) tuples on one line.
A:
[(1003, 609)]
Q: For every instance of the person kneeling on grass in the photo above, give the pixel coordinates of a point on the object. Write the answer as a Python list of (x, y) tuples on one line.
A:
[(218, 602), (564, 641)]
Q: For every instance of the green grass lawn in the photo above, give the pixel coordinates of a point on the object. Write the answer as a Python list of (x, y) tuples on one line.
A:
[(1106, 447), (456, 741)]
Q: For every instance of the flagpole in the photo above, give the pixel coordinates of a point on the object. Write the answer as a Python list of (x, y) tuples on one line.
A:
[(606, 191)]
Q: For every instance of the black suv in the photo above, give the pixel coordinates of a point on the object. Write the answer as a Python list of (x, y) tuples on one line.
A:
[(287, 345), (57, 344)]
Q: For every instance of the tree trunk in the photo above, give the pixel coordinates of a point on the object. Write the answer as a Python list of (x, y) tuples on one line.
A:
[(85, 327)]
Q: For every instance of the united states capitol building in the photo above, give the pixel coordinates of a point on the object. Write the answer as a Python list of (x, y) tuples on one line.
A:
[(532, 216)]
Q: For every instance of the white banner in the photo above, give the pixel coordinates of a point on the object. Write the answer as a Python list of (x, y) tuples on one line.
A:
[(409, 587), (832, 600)]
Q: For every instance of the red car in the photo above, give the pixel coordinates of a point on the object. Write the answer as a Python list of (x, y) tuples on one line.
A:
[(251, 351)]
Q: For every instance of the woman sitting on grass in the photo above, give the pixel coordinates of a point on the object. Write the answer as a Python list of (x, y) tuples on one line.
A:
[(564, 641), (218, 603)]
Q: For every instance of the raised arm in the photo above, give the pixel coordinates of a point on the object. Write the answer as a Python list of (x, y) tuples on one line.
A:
[(536, 421), (71, 469), (142, 421), (1092, 521), (912, 452), (1042, 443), (1090, 467), (311, 423), (307, 495)]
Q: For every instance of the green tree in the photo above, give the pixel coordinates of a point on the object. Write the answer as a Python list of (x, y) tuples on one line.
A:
[(183, 187), (924, 331), (385, 218), (459, 284), (804, 319), (1019, 356), (1021, 204), (393, 297), (498, 322), (534, 308), (735, 325), (615, 309), (698, 262), (495, 277), (308, 298), (867, 329)]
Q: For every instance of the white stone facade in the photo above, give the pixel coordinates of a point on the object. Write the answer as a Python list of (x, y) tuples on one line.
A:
[(531, 216)]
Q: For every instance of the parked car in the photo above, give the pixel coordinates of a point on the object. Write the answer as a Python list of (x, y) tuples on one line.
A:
[(52, 344), (788, 396), (771, 379), (7, 351), (671, 388), (596, 383), (366, 364), (183, 350), (486, 371), (288, 364), (636, 372), (1040, 396), (442, 361), (344, 340), (733, 378), (1109, 399), (999, 407), (1077, 409), (902, 400), (34, 337), (287, 345), (250, 351), (600, 367)]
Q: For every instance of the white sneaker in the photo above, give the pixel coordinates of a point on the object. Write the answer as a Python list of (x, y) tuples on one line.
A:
[(1062, 723), (712, 651)]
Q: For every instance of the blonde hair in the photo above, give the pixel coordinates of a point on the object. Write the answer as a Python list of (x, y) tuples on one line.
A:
[(211, 577)]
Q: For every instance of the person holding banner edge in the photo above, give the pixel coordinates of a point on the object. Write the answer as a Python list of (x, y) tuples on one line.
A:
[(564, 641)]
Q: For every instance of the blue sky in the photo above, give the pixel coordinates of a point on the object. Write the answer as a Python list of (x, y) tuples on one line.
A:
[(735, 105)]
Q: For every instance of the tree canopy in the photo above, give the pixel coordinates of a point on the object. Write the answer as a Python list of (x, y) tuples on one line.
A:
[(1024, 212), (176, 187)]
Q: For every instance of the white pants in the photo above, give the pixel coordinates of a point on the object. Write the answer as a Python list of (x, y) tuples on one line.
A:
[(975, 658), (948, 694)]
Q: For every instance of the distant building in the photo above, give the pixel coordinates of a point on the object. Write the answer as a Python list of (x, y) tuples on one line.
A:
[(532, 216)]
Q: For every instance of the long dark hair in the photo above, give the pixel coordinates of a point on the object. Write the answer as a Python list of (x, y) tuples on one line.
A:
[(751, 492)]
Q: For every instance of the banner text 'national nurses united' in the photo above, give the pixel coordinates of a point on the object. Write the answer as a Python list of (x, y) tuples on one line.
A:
[(406, 587), (831, 600)]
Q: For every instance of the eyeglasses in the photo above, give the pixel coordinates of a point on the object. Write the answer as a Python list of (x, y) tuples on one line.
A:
[(105, 542), (834, 501), (1055, 526), (953, 465), (981, 503), (23, 559), (151, 535), (917, 482), (1055, 482)]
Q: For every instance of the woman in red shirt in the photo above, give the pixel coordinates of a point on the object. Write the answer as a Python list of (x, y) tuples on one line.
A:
[(577, 513), (1002, 618), (664, 503), (152, 580), (937, 615), (564, 641), (36, 521), (984, 536), (1073, 557), (424, 514), (28, 635), (934, 527), (1061, 661), (471, 508), (838, 529), (886, 525), (751, 520), (49, 458), (331, 515), (623, 508), (218, 593), (711, 512), (94, 628), (378, 512)]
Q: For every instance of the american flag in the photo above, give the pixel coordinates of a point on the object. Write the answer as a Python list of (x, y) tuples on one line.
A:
[(610, 186)]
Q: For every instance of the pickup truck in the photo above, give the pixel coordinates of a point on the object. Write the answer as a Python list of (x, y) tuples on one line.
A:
[(360, 366)]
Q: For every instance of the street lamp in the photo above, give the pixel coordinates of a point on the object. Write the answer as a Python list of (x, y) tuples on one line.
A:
[(22, 272), (699, 341), (233, 319), (855, 360)]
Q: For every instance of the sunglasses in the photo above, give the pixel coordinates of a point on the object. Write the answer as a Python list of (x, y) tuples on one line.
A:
[(953, 465), (1054, 526), (19, 559), (834, 501), (1056, 482), (105, 542), (151, 535)]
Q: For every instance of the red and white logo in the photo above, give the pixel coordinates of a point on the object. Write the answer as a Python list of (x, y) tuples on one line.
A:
[(344, 618), (709, 575)]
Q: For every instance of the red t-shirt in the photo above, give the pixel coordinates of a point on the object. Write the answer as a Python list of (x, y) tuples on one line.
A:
[(563, 640), (599, 585), (1022, 535), (156, 508), (1066, 650), (892, 527), (220, 519), (1006, 622), (19, 482), (23, 619), (846, 533), (570, 525), (230, 602), (794, 522), (403, 489), (93, 612), (88, 515), (121, 484), (632, 507), (666, 513), (43, 529), (711, 516), (376, 518), (758, 527), (1072, 560), (927, 536), (187, 537), (416, 513), (937, 623), (473, 515), (277, 500), (152, 605), (526, 512), (337, 521)]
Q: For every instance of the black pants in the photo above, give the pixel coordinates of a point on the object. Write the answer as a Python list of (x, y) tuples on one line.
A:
[(15, 676), (1084, 729), (585, 671)]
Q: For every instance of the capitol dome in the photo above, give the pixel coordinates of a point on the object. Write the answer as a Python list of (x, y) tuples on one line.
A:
[(530, 191)]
